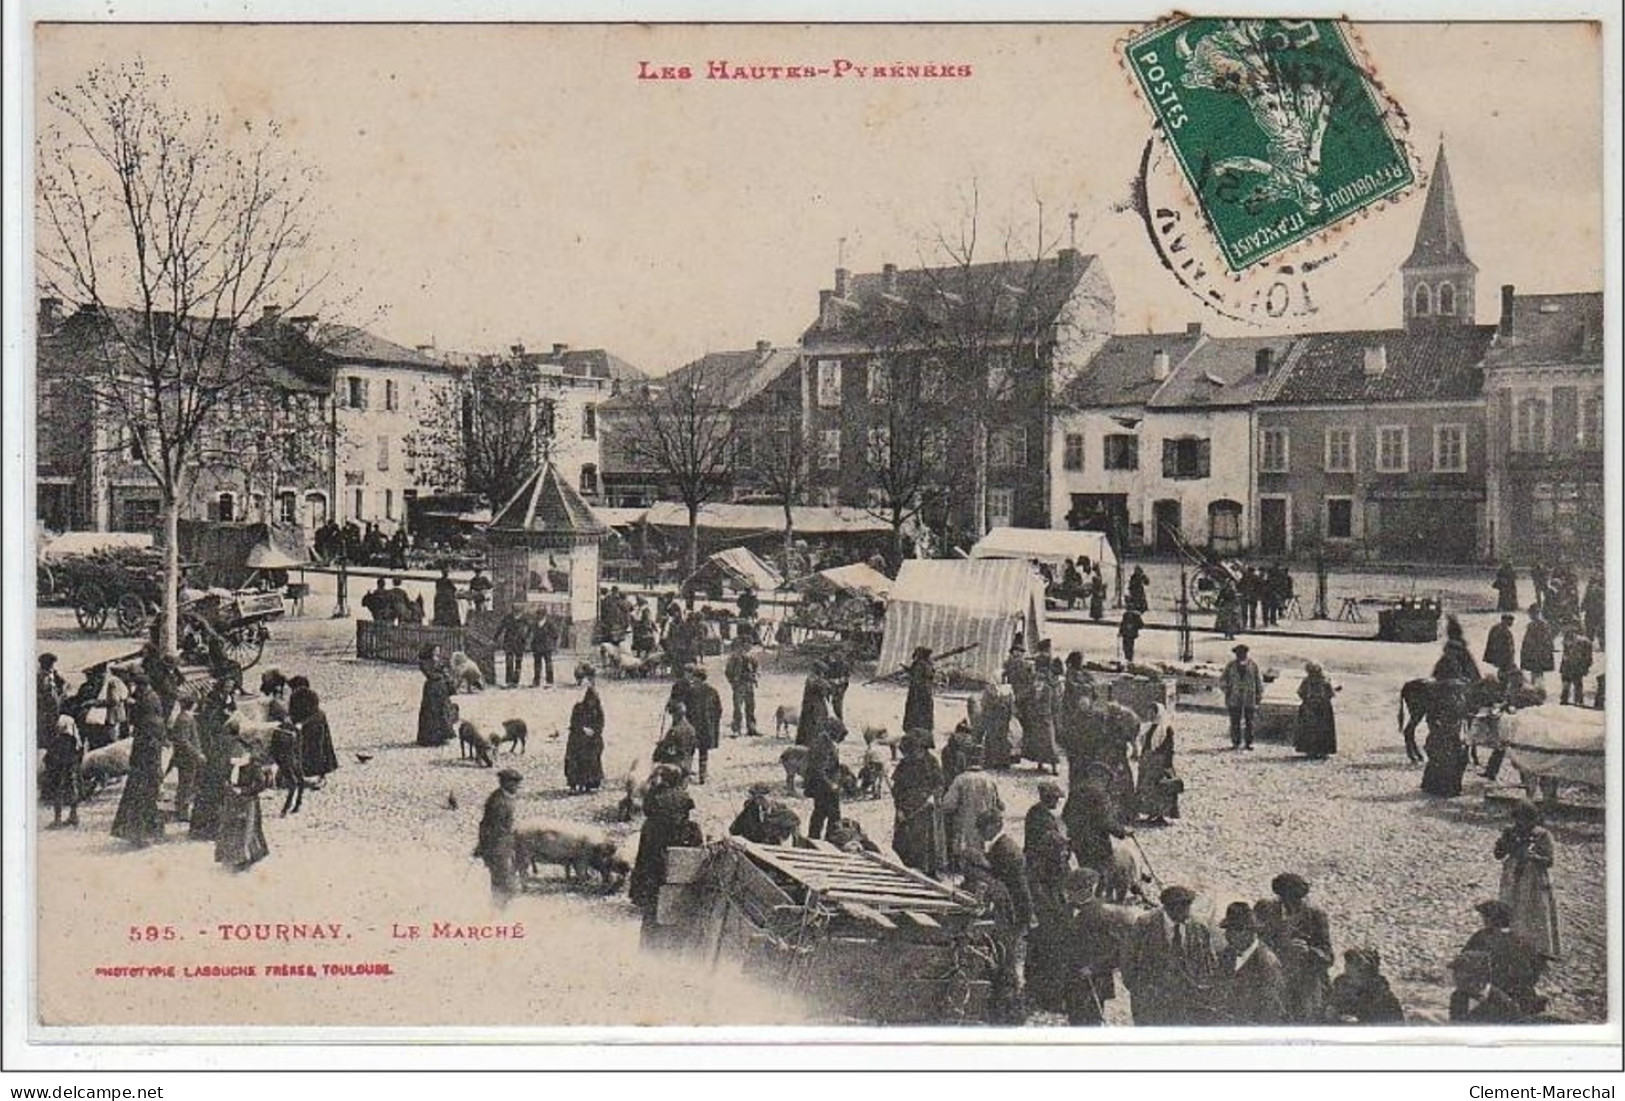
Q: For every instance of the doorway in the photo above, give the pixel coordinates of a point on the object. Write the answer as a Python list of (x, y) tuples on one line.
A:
[(1272, 525), (1165, 517)]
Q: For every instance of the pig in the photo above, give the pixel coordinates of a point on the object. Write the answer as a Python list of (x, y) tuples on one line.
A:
[(474, 744), (640, 775), (1126, 874), (111, 762), (579, 849), (786, 719), (465, 675)]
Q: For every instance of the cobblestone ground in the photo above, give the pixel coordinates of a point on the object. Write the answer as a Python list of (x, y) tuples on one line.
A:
[(380, 846)]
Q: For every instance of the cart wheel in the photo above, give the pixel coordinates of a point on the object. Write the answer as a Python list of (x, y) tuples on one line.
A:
[(44, 583), (1205, 599), (90, 607), (132, 614), (246, 645)]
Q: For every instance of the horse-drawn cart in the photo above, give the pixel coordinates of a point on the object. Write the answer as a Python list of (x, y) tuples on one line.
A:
[(232, 623), (121, 583)]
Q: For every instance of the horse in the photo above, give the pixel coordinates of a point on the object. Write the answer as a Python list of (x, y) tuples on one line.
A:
[(1416, 696)]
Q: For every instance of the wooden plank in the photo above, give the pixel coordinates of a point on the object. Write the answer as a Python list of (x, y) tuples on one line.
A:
[(889, 886), (822, 846), (920, 877), (894, 901), (869, 914), (922, 919)]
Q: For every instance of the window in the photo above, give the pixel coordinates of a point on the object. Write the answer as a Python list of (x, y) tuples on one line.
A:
[(998, 373), (392, 394), (1224, 525), (934, 446), (1450, 448), (409, 454), (1339, 518), (547, 418), (1447, 300), (880, 447), (879, 382), (1072, 457), (383, 452), (225, 507), (744, 452), (1340, 450), (1393, 450), (1529, 431), (829, 384), (389, 504), (1001, 507), (829, 497), (1591, 410), (1421, 301), (876, 500), (933, 380), (360, 503), (589, 422), (358, 392), (1122, 452), (287, 506), (589, 479), (829, 449), (1274, 451), (1187, 457), (1007, 448)]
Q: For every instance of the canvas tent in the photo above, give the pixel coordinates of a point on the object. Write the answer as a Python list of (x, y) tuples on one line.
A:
[(738, 569), (1046, 545), (853, 580), (1557, 743), (949, 604)]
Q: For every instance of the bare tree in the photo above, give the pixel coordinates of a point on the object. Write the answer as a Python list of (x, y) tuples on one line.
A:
[(778, 463), (265, 436), (686, 434), (906, 456), (488, 433), (175, 232)]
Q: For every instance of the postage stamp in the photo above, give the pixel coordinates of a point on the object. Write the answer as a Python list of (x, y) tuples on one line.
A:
[(1275, 124)]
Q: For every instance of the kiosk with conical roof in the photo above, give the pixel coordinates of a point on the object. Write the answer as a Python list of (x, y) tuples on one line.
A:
[(544, 551)]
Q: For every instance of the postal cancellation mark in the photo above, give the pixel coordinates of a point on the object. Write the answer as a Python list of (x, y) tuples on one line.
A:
[(1274, 124)]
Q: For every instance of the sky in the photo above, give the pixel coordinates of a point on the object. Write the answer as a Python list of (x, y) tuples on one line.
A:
[(491, 185)]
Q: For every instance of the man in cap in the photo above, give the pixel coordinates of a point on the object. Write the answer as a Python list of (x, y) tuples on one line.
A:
[(1300, 936), (1477, 1000), (754, 821), (1091, 948), (1515, 965), (1168, 963), (496, 842), (53, 689), (1500, 651), (742, 672), (1251, 981), (1243, 687)]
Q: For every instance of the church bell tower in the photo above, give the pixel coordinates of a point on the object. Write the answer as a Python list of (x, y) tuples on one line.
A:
[(1438, 277)]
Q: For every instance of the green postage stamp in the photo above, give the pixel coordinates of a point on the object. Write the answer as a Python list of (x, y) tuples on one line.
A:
[(1275, 123)]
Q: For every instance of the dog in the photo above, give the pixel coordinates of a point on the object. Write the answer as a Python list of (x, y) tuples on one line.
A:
[(465, 675), (879, 735), (584, 673), (786, 720)]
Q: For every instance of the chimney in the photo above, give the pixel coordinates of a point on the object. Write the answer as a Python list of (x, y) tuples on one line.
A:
[(1069, 260), (272, 313), (763, 347), (1193, 328), (50, 314), (1159, 365), (560, 349), (1263, 360), (888, 278), (1506, 309), (842, 280), (517, 349), (1376, 360)]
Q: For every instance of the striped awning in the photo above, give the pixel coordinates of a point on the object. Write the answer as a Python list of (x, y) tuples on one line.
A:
[(949, 604)]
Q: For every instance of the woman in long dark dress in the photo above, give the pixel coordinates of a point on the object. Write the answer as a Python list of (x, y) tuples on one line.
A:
[(434, 709), (919, 708), (665, 823), (584, 750), (240, 840), (316, 754), (994, 717), (1038, 737), (1317, 724), (916, 788), (1446, 753), (214, 775), (446, 611), (138, 820)]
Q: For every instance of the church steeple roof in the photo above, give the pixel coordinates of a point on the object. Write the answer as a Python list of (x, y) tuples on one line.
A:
[(1440, 242)]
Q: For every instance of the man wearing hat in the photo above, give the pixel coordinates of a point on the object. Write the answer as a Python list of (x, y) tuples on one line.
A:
[(1168, 964), (742, 672), (705, 712), (1500, 652), (1477, 1000), (1251, 981), (52, 690), (1535, 654), (754, 818), (1090, 948), (496, 841), (1515, 966), (1300, 936), (1243, 687)]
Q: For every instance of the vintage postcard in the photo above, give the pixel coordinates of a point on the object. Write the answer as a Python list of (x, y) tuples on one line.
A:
[(570, 530)]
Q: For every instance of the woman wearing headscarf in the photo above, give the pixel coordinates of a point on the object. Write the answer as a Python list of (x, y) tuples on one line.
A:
[(918, 837), (1156, 794), (993, 722), (138, 820), (1456, 662), (584, 749), (214, 773), (1038, 737), (1526, 852), (1317, 725), (434, 707), (316, 754), (240, 840)]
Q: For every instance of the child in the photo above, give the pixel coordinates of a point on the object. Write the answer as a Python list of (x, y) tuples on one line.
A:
[(872, 774), (63, 758)]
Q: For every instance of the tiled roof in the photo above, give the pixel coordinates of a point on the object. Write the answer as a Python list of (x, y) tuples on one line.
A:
[(1439, 239), (547, 505), (353, 345), (1121, 372), (731, 378), (1223, 371), (875, 298), (1441, 364), (1551, 329), (594, 363)]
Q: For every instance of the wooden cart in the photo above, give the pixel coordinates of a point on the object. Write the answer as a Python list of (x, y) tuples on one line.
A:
[(856, 935)]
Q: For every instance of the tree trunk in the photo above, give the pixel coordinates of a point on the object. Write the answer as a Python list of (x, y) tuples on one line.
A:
[(172, 573), (897, 545), (789, 536), (693, 541), (979, 461)]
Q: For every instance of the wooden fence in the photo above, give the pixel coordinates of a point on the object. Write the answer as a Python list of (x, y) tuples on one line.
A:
[(400, 643)]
